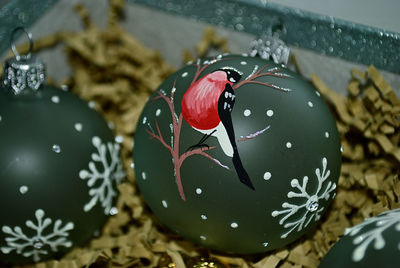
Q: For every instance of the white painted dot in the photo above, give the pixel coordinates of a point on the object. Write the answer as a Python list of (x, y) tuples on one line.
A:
[(158, 112), (267, 175), (318, 94), (202, 237), (55, 99), (0, 118), (96, 141), (64, 87), (83, 174), (243, 63), (132, 165), (184, 74), (245, 55), (164, 203), (247, 112), (326, 134), (23, 189), (265, 244), (78, 127), (203, 217), (144, 175), (234, 225), (91, 104), (341, 149), (310, 104), (199, 191), (113, 211), (144, 120), (288, 145), (119, 139), (56, 148), (111, 125), (270, 113)]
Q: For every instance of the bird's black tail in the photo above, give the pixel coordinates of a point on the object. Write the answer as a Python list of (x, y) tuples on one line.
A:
[(226, 102), (241, 172)]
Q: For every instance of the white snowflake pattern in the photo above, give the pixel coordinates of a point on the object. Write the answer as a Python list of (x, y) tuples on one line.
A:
[(109, 174), (381, 223), (310, 208), (41, 241)]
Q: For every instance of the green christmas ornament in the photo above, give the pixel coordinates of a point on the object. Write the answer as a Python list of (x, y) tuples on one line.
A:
[(373, 243), (237, 153), (59, 166)]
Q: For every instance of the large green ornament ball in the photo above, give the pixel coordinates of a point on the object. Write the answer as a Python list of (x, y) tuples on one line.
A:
[(373, 243), (237, 154), (59, 168)]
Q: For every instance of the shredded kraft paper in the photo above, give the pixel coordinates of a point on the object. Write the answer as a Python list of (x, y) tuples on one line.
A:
[(117, 73)]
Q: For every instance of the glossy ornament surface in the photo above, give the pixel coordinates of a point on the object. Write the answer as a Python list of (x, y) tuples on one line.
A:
[(373, 243), (237, 153), (59, 168)]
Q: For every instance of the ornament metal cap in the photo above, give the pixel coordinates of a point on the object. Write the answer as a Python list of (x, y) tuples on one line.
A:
[(269, 46), (23, 73)]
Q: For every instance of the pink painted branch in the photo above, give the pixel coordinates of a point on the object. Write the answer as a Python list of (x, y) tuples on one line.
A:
[(171, 98), (273, 74), (262, 83), (193, 152), (177, 131), (160, 96), (253, 135), (260, 73), (213, 159), (159, 137), (177, 167), (201, 151), (205, 66), (198, 72)]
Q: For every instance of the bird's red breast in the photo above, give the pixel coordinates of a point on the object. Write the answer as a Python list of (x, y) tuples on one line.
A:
[(200, 101)]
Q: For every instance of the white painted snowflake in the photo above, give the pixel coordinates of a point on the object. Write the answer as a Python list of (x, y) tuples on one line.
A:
[(42, 240), (310, 209), (381, 223), (105, 172)]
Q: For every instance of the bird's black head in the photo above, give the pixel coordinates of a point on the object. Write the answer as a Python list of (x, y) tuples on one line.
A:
[(232, 74)]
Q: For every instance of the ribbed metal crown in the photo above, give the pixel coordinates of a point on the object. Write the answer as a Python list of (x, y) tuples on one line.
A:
[(23, 73)]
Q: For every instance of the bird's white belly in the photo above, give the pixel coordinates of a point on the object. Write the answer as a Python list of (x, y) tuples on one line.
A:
[(222, 136)]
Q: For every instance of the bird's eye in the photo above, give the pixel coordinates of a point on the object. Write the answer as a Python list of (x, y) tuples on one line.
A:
[(232, 80)]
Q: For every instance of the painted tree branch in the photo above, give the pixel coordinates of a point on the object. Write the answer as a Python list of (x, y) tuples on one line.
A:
[(274, 72), (253, 135), (206, 64), (177, 156)]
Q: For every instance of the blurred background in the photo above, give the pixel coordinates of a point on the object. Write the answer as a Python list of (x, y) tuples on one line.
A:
[(328, 38)]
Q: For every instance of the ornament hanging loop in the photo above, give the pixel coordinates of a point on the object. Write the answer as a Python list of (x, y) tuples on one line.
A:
[(19, 57), (277, 30)]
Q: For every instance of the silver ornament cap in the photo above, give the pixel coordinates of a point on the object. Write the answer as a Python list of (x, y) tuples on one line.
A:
[(269, 46), (23, 73)]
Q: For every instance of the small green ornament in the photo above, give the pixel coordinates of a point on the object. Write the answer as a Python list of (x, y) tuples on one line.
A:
[(237, 153), (373, 243), (59, 166)]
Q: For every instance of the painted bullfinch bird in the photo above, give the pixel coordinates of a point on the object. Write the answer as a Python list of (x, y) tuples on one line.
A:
[(207, 107)]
